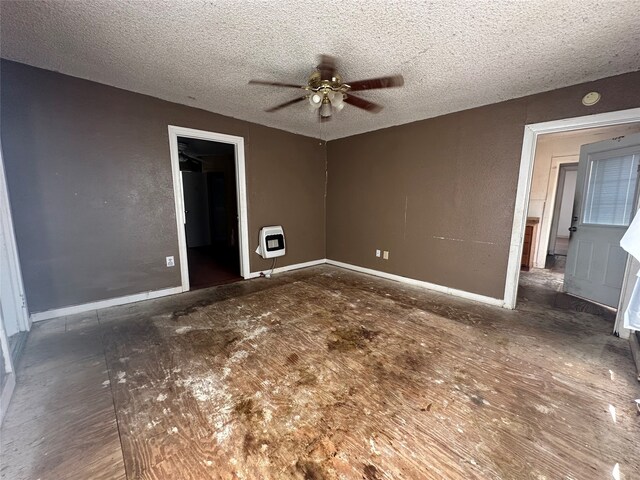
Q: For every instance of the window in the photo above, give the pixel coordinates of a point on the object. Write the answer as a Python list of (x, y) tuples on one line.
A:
[(611, 184)]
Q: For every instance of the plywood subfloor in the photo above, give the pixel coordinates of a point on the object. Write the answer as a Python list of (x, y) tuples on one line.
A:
[(61, 422), (325, 374)]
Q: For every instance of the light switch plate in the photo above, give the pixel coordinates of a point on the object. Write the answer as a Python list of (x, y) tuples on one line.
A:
[(385, 255), (171, 262), (377, 253)]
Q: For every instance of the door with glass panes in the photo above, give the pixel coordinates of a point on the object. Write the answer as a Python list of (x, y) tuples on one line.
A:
[(603, 208)]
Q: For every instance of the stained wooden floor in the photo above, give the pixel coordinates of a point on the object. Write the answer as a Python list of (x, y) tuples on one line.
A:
[(324, 374)]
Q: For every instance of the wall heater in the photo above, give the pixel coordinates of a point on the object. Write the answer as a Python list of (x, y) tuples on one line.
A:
[(271, 243)]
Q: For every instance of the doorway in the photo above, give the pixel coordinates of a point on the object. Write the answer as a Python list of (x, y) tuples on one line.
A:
[(538, 205), (590, 209), (211, 213), (210, 204), (562, 213)]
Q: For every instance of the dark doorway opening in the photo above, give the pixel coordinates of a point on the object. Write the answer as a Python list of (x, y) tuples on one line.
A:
[(208, 172)]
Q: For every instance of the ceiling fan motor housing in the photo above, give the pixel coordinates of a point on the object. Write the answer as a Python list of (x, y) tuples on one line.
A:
[(326, 94)]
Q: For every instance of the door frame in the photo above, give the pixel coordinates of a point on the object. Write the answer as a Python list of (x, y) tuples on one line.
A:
[(530, 139), (178, 194), (9, 244)]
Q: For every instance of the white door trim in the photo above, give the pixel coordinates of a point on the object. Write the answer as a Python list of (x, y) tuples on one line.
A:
[(8, 242), (530, 139), (241, 193)]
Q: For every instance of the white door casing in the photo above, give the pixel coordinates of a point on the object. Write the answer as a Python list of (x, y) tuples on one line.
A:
[(241, 192), (12, 295), (603, 206)]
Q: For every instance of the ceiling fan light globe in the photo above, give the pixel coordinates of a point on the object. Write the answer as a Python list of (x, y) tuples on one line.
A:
[(337, 100), (325, 109), (315, 99)]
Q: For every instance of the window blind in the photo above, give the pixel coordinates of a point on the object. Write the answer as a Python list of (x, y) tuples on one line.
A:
[(610, 190)]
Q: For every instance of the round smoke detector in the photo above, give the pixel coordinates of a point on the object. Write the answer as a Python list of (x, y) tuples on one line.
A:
[(591, 98)]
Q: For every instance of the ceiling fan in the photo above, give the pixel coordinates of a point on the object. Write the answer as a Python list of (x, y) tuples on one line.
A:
[(326, 91)]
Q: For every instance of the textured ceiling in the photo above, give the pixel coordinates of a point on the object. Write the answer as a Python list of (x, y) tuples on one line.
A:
[(454, 54)]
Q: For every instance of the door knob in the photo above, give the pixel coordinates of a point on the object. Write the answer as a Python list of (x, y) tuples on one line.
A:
[(575, 219), (572, 229)]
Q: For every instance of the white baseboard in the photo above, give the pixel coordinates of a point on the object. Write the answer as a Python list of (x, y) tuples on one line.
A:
[(86, 307), (5, 395), (112, 302), (419, 283), (286, 268)]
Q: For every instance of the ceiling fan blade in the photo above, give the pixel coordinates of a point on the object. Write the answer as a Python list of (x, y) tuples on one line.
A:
[(327, 67), (362, 103), (285, 104), (380, 82), (274, 84)]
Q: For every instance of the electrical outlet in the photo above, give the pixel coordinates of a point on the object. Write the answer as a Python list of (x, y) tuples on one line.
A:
[(385, 255), (171, 262), (377, 253)]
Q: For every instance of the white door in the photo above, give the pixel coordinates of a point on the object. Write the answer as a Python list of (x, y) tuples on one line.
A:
[(603, 206)]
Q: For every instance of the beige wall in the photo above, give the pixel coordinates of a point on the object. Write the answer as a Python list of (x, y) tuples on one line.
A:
[(552, 151), (439, 194), (90, 184)]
